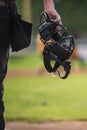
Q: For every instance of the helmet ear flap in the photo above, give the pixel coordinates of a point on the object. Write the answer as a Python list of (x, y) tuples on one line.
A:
[(47, 58)]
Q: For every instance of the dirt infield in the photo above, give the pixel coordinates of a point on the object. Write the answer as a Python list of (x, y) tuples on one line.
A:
[(33, 73), (61, 125)]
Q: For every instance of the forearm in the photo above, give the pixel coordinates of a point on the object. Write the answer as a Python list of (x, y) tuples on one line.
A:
[(48, 4)]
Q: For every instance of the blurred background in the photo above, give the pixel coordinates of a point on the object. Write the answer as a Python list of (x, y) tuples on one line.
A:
[(73, 14), (31, 93)]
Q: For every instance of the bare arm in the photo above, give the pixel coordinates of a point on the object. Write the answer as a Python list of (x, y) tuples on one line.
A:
[(49, 7)]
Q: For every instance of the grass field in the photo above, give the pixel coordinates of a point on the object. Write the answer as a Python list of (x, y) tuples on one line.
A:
[(36, 99), (27, 61)]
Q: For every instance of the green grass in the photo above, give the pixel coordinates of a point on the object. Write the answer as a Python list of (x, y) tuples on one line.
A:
[(27, 61), (36, 99)]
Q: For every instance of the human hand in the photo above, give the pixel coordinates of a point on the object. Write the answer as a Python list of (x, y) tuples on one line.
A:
[(54, 15), (49, 8)]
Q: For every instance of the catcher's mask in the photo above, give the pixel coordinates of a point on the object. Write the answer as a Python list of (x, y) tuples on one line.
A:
[(58, 45)]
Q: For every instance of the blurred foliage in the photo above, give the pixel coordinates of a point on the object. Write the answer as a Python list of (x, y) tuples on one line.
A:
[(19, 5), (73, 14), (37, 8)]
